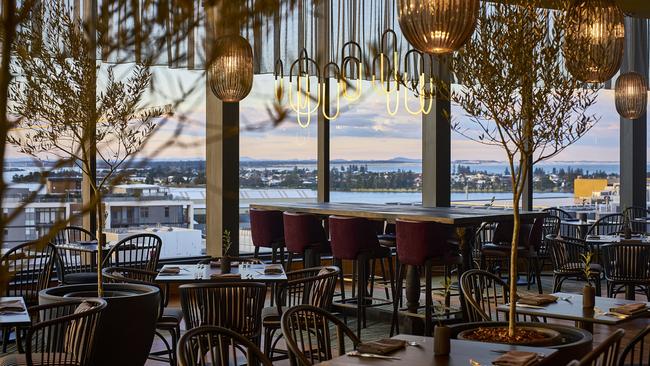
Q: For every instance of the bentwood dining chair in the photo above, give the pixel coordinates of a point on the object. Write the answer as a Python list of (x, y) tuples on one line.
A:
[(636, 218), (605, 354), (609, 224), (311, 286), (234, 305), (61, 334), (137, 251), (309, 332), (566, 255), (626, 264), (72, 234), (77, 264), (637, 352), (169, 319), (483, 292), (558, 212), (30, 267), (212, 345)]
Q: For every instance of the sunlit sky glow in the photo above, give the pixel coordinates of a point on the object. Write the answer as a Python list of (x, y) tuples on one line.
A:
[(364, 130)]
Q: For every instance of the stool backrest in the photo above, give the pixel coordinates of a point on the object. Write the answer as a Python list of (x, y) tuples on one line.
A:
[(302, 231), (418, 241), (351, 236), (267, 227)]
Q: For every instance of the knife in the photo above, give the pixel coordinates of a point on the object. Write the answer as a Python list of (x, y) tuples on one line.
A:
[(370, 355)]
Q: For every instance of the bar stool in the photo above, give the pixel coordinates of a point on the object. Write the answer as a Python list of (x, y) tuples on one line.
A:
[(355, 239), (423, 244), (304, 235), (267, 231)]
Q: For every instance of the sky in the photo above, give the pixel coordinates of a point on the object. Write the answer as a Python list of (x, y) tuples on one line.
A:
[(363, 131)]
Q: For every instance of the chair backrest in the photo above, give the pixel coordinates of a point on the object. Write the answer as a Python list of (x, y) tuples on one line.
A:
[(626, 261), (311, 286), (607, 224), (418, 241), (483, 292), (536, 234), (136, 251), (233, 305), (267, 227), (308, 332), (212, 345), (637, 352), (137, 276), (503, 233), (606, 353), (302, 231), (556, 211), (566, 254), (351, 235), (72, 234), (551, 225), (634, 212), (30, 267), (63, 333)]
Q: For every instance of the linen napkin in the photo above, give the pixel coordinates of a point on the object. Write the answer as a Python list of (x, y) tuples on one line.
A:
[(537, 299), (516, 358), (170, 271), (629, 309), (382, 346), (224, 275), (273, 269), (11, 306)]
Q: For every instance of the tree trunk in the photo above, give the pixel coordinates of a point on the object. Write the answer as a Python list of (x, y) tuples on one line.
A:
[(512, 314), (101, 241)]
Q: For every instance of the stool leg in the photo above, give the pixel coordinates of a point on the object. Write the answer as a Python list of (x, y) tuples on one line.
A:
[(274, 252), (382, 267), (360, 297), (428, 308), (282, 255), (397, 300), (289, 261), (256, 253), (372, 277)]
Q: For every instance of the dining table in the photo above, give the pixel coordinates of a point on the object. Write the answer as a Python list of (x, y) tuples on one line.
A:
[(569, 307), (14, 318), (197, 273), (464, 222), (462, 353), (575, 228)]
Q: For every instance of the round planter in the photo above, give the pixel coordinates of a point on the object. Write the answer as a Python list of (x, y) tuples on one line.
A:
[(126, 329), (572, 344), (551, 336)]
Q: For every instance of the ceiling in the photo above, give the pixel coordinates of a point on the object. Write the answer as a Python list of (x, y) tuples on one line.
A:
[(635, 8)]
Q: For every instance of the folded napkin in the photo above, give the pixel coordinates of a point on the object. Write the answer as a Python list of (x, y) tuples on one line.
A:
[(170, 270), (381, 346), (537, 299), (224, 275), (629, 309), (273, 269), (11, 306), (516, 358)]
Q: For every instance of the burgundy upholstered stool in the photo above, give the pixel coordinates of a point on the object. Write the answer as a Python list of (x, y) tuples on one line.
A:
[(267, 231), (423, 245), (304, 235), (355, 239)]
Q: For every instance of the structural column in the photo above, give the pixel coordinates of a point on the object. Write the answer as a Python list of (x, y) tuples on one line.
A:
[(436, 142), (323, 135), (222, 161), (633, 132)]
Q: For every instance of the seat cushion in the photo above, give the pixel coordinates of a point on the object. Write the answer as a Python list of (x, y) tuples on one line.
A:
[(172, 315), (271, 317), (498, 250), (19, 359), (387, 240), (80, 278), (577, 268)]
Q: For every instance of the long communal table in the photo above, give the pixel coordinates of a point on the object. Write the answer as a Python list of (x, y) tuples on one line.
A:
[(465, 221)]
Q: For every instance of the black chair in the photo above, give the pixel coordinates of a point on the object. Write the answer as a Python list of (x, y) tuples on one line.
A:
[(551, 228), (308, 332), (566, 255), (312, 286), (76, 264), (72, 234), (605, 354), (626, 265), (140, 251), (169, 319), (61, 334), (30, 267), (608, 224), (234, 305), (637, 213), (636, 353), (558, 212), (483, 292), (212, 345)]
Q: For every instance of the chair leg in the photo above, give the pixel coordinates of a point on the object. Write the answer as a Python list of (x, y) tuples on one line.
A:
[(538, 275), (382, 267), (289, 261), (557, 286)]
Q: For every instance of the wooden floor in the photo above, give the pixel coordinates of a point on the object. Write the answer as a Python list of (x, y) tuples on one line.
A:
[(381, 328)]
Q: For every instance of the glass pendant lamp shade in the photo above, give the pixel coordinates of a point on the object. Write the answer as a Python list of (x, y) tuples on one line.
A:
[(231, 72), (595, 39), (437, 26), (631, 95)]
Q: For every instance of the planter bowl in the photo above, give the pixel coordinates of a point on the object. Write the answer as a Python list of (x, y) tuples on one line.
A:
[(127, 325), (552, 336)]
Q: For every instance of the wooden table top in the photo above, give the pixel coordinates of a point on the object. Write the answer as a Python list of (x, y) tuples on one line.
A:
[(461, 352), (445, 215), (605, 239), (89, 246), (573, 310), (193, 273), (15, 319)]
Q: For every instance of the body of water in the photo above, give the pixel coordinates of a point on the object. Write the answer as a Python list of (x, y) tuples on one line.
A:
[(416, 197)]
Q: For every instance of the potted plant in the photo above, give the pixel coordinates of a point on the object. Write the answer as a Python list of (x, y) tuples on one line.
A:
[(518, 96), (442, 333), (62, 112), (588, 292)]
